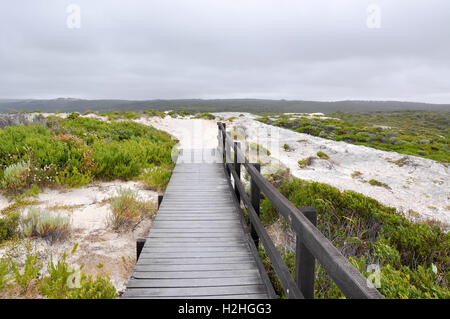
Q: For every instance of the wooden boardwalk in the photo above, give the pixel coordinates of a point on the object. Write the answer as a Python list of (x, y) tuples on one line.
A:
[(198, 246)]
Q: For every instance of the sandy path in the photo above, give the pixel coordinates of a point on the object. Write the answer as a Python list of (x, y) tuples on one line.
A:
[(191, 133)]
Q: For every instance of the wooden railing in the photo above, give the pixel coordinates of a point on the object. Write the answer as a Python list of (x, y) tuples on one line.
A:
[(311, 243)]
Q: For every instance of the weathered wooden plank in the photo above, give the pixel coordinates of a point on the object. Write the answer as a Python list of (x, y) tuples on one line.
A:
[(195, 240), (196, 267), (195, 274), (189, 226), (220, 232), (195, 261), (195, 254), (214, 244), (224, 236), (189, 249), (188, 217), (197, 282), (197, 211), (195, 291)]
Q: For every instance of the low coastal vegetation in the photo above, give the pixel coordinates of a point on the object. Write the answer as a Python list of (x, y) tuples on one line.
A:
[(74, 151), (322, 155), (51, 227), (424, 134), (306, 162), (69, 153), (413, 257), (64, 153), (259, 150), (62, 281), (157, 177), (128, 210)]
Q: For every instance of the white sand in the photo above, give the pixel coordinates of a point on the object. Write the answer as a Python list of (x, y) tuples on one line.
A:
[(98, 244), (192, 133)]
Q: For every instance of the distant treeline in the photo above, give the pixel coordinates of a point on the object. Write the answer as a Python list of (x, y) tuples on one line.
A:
[(226, 105)]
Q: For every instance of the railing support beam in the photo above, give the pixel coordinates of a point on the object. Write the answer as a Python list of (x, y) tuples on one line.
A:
[(304, 261), (237, 168), (255, 197), (349, 280)]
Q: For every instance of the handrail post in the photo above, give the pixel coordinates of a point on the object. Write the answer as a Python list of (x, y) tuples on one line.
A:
[(237, 168), (255, 197), (140, 242), (160, 199), (219, 135), (304, 260), (224, 144)]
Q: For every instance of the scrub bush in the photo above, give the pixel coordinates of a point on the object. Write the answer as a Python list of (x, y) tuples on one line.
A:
[(45, 225), (74, 151), (413, 256), (128, 210)]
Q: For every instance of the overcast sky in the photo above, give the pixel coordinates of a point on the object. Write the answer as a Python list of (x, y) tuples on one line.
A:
[(281, 49)]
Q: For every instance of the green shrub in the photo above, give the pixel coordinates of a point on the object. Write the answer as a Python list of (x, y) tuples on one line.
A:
[(73, 115), (46, 225), (76, 150), (16, 177), (55, 285), (305, 162), (61, 283), (19, 203), (73, 178), (9, 225), (386, 253), (206, 116), (374, 182), (33, 191), (31, 270), (268, 214), (404, 283), (5, 277), (356, 174), (322, 155), (157, 178), (361, 227), (98, 288), (128, 210)]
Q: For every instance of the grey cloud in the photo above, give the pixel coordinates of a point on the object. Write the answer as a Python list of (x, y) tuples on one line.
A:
[(290, 49)]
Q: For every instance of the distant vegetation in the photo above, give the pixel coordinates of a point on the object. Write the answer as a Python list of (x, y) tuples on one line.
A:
[(424, 134), (226, 105), (413, 256)]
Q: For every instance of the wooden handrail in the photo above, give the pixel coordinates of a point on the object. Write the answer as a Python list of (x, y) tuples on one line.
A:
[(349, 280)]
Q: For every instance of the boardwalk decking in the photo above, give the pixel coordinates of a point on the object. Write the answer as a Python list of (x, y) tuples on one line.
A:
[(197, 246)]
